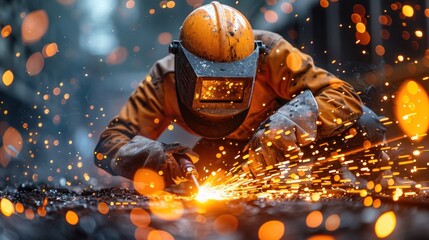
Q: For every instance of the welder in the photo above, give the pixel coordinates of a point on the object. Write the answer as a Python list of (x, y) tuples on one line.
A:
[(226, 82)]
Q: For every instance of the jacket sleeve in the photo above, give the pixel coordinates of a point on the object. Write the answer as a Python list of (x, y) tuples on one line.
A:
[(143, 115), (290, 71)]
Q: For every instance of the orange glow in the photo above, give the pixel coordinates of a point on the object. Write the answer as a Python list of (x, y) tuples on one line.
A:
[(332, 223), (324, 3), (99, 156), (412, 109), (385, 20), (72, 218), (367, 201), (379, 49), (148, 182), (321, 237), (130, 4), (56, 91), (271, 230), (12, 141), (359, 9), (363, 38), (194, 3), (294, 62), (19, 208), (7, 78), (6, 31), (314, 219), (35, 64), (49, 50), (171, 4), (356, 18), (286, 7), (165, 38), (159, 235), (408, 11), (103, 208), (360, 27), (142, 233), (385, 224), (225, 224), (166, 207), (29, 214), (34, 26), (41, 211), (117, 56), (7, 207), (140, 217), (418, 33), (271, 16), (376, 203)]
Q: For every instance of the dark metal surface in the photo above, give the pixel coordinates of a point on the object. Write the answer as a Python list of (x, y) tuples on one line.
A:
[(199, 220)]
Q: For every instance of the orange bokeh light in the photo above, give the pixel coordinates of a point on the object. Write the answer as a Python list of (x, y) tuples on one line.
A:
[(117, 56), (225, 224), (34, 26), (6, 31), (385, 224), (159, 235), (7, 207), (35, 64), (294, 62), (364, 38), (140, 217), (314, 219), (49, 50), (7, 78), (148, 182), (412, 109), (271, 230), (72, 218), (321, 237), (166, 207), (271, 16), (12, 141), (165, 38), (333, 222), (408, 11), (324, 3), (379, 49), (103, 208)]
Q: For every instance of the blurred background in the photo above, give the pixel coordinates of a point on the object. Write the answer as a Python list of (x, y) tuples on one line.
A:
[(67, 66)]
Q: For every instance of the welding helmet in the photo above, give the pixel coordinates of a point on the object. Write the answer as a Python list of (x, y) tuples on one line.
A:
[(215, 62)]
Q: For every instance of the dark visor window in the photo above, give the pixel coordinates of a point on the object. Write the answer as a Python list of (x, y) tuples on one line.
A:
[(221, 90)]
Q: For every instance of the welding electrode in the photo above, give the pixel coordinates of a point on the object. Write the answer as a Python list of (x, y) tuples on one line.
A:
[(189, 171)]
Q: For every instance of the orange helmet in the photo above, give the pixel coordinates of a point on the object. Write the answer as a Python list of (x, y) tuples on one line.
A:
[(215, 61), (218, 33)]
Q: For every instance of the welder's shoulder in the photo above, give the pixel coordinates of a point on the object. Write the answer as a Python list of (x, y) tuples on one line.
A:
[(268, 38), (162, 68)]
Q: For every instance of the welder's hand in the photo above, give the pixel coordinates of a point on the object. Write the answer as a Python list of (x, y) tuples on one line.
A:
[(160, 157), (279, 138)]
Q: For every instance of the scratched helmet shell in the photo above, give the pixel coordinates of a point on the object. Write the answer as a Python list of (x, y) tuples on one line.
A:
[(218, 33)]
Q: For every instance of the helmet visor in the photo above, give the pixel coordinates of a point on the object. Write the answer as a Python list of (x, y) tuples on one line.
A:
[(214, 92)]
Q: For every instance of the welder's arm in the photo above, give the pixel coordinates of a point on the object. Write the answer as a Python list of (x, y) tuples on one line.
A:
[(280, 137), (128, 144), (291, 71)]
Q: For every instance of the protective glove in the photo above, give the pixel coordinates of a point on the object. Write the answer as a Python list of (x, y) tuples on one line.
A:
[(280, 137), (160, 157)]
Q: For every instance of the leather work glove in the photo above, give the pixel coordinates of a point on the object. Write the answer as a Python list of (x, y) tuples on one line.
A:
[(160, 157), (280, 137)]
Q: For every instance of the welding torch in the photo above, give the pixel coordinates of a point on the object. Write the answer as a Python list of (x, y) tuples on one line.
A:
[(189, 171)]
